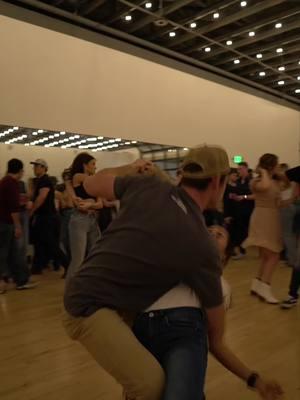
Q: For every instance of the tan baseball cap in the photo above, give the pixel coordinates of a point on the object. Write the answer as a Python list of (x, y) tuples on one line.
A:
[(212, 160), (41, 162)]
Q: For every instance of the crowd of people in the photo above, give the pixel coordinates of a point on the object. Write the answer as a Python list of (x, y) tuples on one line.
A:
[(143, 257)]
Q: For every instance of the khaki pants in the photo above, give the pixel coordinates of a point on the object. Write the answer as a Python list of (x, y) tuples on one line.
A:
[(128, 370)]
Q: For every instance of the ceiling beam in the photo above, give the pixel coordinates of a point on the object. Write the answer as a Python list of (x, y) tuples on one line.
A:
[(260, 23), (159, 14), (91, 6), (256, 39), (202, 14), (122, 14), (287, 51), (247, 12), (273, 77), (275, 56), (278, 63)]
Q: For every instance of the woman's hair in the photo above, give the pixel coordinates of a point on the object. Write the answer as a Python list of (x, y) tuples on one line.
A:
[(268, 161), (77, 166), (216, 218)]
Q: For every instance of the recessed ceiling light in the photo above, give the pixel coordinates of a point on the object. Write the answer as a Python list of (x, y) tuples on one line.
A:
[(148, 5), (262, 73), (252, 33), (278, 25), (259, 55), (229, 42), (243, 3), (128, 18), (216, 15), (279, 50), (281, 68), (280, 83), (299, 62), (15, 128), (193, 25), (207, 49), (40, 131), (298, 77), (34, 133), (172, 34), (62, 133), (56, 135), (236, 61), (297, 91)]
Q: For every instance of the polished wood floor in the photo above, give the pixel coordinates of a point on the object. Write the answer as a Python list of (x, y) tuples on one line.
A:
[(38, 361)]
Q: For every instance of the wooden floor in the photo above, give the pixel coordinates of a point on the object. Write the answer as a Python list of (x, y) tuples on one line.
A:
[(38, 361)]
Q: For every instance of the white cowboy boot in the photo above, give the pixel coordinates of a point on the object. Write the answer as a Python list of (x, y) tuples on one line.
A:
[(264, 292), (254, 286)]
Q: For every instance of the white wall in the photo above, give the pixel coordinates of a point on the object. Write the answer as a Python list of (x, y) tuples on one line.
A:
[(59, 159), (53, 81)]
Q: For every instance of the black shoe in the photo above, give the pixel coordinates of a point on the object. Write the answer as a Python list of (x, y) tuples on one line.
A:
[(289, 303)]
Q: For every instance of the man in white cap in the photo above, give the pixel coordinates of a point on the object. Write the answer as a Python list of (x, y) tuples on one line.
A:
[(44, 220)]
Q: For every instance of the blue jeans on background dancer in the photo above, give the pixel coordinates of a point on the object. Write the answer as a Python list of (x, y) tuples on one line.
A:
[(177, 338), (13, 255), (83, 234), (289, 238)]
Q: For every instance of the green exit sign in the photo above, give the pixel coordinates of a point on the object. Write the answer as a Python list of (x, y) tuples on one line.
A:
[(238, 159)]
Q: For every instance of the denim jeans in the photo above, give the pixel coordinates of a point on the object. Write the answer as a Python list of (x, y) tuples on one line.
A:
[(295, 283), (83, 234), (64, 234), (13, 255), (177, 337), (289, 237)]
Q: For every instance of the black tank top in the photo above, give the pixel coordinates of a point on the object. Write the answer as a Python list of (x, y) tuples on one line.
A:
[(81, 192)]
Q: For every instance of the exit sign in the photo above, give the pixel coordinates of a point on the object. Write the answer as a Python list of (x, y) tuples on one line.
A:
[(238, 159)]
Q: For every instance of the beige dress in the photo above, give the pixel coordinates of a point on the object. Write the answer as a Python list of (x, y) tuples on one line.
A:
[(265, 225)]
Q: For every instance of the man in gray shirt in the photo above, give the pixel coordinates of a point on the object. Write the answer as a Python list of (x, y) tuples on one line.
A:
[(158, 243)]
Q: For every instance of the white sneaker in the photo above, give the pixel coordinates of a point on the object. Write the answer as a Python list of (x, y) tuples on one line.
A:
[(264, 292), (26, 286), (254, 286)]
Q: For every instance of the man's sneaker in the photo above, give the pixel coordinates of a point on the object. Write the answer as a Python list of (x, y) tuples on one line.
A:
[(26, 286), (289, 303)]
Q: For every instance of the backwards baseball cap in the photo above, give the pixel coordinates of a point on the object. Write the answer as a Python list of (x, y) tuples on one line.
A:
[(41, 162), (211, 160)]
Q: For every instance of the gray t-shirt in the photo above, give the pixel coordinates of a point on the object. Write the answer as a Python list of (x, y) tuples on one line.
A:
[(158, 240)]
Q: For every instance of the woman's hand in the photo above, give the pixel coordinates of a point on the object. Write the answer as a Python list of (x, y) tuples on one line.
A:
[(269, 390), (85, 205), (142, 166)]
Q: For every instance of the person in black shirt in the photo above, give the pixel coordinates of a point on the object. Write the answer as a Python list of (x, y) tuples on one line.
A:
[(244, 205), (44, 219), (231, 190)]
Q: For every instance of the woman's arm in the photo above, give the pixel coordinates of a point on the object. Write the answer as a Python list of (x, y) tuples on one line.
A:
[(102, 183), (263, 182), (216, 327), (77, 180)]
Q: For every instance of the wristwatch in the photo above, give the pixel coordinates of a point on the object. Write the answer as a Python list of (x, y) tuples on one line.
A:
[(251, 381)]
